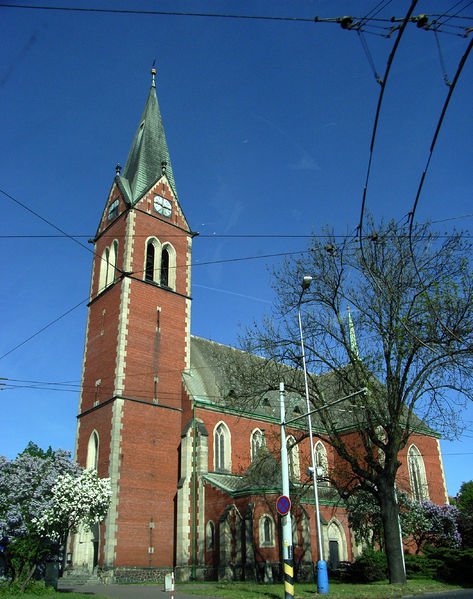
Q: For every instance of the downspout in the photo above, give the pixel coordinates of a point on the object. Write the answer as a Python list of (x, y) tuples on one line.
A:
[(193, 493)]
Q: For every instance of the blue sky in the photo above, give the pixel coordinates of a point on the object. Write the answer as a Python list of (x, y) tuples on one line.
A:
[(268, 124)]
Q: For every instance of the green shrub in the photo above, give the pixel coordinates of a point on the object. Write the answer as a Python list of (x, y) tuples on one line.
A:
[(421, 566), (452, 565), (370, 566), (35, 587)]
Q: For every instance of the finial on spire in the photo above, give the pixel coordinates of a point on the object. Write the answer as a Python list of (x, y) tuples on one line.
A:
[(118, 169), (153, 74)]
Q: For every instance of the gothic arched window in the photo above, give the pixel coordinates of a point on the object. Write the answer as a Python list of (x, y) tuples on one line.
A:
[(108, 265), (417, 476), (256, 442), (321, 462), (222, 448), (104, 262), (112, 263), (149, 268), (210, 535), (152, 259), (168, 266), (165, 267), (93, 451), (266, 531), (293, 457)]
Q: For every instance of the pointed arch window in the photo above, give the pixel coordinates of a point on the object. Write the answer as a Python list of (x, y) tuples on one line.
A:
[(266, 531), (210, 534), (112, 263), (222, 448), (168, 266), (321, 462), (152, 259), (108, 266), (93, 451), (150, 256), (256, 442), (417, 475), (104, 269), (165, 267), (293, 457)]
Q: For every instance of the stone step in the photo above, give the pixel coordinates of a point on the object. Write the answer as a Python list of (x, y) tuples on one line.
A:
[(74, 579)]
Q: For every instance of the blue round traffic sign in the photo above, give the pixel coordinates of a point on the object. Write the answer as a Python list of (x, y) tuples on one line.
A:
[(283, 505)]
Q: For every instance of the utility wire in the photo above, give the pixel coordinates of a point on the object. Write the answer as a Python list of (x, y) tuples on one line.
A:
[(356, 23), (43, 329), (437, 130), (237, 235), (45, 220), (209, 262), (193, 264), (373, 137), (51, 224), (421, 183), (442, 62), (378, 110)]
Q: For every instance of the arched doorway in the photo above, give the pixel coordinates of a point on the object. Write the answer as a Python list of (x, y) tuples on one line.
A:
[(337, 544), (86, 549)]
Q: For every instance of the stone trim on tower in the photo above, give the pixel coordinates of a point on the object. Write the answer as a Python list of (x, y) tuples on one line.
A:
[(444, 481), (114, 473)]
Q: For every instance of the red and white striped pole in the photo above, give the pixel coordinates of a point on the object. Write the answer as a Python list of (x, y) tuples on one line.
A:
[(172, 584)]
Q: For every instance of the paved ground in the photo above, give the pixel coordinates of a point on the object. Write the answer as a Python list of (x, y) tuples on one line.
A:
[(129, 591), (461, 594)]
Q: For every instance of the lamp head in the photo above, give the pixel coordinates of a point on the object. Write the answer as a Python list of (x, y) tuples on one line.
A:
[(306, 281)]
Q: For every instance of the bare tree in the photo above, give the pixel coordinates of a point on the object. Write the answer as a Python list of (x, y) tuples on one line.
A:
[(411, 298)]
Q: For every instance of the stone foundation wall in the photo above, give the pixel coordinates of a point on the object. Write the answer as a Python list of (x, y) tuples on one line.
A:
[(132, 574), (303, 572)]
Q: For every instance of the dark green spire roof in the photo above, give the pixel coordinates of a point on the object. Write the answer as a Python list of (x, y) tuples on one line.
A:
[(144, 164)]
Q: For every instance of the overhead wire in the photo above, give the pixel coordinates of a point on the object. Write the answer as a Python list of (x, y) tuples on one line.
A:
[(356, 22), (233, 235), (446, 16), (421, 183), (383, 82), (51, 224), (42, 329), (377, 114), (193, 264), (368, 171), (206, 263), (437, 130)]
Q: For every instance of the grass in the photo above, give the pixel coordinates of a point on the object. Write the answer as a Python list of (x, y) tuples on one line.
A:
[(249, 590), (338, 590)]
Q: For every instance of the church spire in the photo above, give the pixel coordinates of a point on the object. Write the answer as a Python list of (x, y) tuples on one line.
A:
[(149, 151), (351, 329)]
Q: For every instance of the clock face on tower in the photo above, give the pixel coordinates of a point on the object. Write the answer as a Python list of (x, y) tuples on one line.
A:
[(162, 206)]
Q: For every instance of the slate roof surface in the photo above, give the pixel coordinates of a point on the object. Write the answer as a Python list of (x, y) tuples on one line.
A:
[(148, 151), (207, 382)]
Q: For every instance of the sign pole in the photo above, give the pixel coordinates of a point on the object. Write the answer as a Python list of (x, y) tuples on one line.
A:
[(286, 519)]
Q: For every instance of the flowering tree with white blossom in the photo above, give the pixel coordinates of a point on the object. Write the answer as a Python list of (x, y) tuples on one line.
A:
[(76, 500), (44, 496)]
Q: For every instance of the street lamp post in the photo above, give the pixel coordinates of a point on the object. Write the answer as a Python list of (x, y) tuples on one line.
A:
[(322, 575)]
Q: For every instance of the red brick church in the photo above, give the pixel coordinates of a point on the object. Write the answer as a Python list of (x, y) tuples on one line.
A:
[(194, 479)]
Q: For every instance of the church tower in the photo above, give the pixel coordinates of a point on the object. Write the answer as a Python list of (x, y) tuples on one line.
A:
[(136, 349)]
